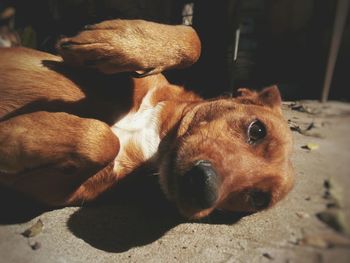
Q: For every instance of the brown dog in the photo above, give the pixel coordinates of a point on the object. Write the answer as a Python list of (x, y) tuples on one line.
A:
[(67, 134)]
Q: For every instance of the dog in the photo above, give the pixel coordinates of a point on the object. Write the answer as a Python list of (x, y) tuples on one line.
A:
[(72, 126)]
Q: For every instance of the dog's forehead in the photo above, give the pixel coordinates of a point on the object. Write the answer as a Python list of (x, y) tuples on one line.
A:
[(232, 104), (231, 108)]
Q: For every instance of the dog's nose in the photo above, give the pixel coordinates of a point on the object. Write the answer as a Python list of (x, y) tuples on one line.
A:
[(199, 185)]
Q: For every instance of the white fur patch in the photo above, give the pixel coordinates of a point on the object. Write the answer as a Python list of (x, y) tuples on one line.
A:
[(141, 127)]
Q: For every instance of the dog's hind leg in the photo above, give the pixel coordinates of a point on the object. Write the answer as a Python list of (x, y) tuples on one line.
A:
[(50, 155)]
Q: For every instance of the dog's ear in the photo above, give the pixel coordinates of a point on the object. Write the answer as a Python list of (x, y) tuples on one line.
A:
[(269, 97)]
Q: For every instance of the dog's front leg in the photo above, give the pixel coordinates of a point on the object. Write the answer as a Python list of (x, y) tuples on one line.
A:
[(50, 155), (136, 46)]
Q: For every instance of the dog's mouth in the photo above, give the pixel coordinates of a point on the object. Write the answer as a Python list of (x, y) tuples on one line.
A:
[(193, 189), (192, 182), (198, 190)]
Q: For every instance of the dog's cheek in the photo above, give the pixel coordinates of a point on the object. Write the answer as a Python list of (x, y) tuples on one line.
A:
[(282, 186), (167, 173), (236, 202), (164, 180)]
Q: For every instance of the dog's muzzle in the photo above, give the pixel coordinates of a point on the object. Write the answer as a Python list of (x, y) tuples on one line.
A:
[(198, 187)]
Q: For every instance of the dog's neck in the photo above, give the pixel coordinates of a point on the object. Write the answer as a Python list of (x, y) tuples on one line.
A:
[(156, 110)]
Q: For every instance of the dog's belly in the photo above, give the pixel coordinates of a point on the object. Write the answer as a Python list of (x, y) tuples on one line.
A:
[(138, 134)]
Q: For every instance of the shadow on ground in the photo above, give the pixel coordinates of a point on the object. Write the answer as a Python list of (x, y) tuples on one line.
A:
[(119, 228), (17, 208), (131, 216), (135, 213)]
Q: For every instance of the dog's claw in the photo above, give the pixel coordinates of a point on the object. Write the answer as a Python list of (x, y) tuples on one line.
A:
[(66, 45), (145, 73), (87, 27)]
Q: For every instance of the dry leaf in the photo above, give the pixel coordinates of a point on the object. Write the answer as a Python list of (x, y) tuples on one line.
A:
[(332, 219), (310, 146), (306, 131), (302, 214), (34, 229), (268, 256), (325, 240), (35, 246), (302, 108)]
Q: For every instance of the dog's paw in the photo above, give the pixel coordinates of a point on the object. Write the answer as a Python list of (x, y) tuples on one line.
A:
[(88, 49), (131, 46)]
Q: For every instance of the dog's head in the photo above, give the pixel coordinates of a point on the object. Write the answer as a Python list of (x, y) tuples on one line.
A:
[(229, 154)]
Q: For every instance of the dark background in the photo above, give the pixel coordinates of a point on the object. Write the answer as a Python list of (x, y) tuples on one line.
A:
[(284, 42)]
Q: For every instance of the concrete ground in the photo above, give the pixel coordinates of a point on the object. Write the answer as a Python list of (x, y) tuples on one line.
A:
[(310, 225)]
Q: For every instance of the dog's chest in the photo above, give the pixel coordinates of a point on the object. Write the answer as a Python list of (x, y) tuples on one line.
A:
[(140, 131)]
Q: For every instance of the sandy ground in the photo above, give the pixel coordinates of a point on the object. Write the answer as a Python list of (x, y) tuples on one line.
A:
[(310, 225)]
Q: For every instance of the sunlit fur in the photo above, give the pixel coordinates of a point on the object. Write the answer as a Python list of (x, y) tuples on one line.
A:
[(69, 134), (217, 131), (132, 45)]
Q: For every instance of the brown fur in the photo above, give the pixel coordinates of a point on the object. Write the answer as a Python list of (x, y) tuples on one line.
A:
[(132, 45), (57, 147), (216, 131)]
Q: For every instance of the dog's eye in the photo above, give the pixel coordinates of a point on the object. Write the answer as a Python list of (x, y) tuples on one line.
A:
[(256, 131), (259, 200)]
